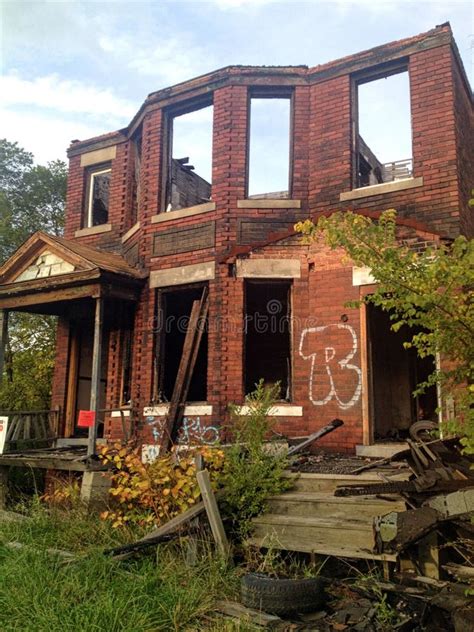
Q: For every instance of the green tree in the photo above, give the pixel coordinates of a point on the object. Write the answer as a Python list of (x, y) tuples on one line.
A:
[(431, 291), (32, 197)]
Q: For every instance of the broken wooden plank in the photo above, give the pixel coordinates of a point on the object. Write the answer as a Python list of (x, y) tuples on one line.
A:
[(19, 546), (335, 423), (157, 535), (460, 571), (213, 513), (186, 367), (248, 615)]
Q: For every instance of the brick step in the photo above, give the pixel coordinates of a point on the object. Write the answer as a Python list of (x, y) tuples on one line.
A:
[(298, 533), (324, 504), (306, 482)]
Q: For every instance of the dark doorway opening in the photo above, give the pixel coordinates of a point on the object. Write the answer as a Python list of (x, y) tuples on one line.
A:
[(268, 335), (395, 373), (85, 343), (174, 310)]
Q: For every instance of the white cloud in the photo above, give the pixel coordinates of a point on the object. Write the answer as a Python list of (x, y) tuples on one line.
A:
[(237, 4), (170, 61), (47, 137), (66, 96)]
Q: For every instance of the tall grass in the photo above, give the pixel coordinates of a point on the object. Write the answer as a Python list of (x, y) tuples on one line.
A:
[(40, 592)]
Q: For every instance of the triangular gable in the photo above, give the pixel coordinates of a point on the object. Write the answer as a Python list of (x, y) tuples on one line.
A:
[(47, 264), (40, 257)]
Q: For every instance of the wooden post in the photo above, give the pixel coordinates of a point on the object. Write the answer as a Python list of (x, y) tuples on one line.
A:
[(212, 511), (3, 486), (96, 372), (3, 340)]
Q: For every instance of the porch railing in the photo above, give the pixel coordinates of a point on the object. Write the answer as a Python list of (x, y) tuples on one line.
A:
[(29, 429)]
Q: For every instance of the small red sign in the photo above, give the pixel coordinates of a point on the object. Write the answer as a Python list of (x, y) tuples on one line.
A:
[(86, 418)]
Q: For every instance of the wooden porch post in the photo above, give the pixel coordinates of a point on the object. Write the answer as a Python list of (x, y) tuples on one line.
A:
[(3, 339), (96, 374)]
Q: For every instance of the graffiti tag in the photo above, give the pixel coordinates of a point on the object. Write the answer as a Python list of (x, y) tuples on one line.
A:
[(326, 355)]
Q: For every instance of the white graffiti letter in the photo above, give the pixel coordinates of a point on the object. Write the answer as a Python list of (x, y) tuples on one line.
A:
[(344, 364)]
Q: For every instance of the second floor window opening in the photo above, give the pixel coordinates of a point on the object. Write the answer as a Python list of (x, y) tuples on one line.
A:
[(269, 162), (383, 129), (137, 160), (189, 164), (97, 206)]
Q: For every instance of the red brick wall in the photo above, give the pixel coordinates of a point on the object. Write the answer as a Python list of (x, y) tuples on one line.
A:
[(322, 170)]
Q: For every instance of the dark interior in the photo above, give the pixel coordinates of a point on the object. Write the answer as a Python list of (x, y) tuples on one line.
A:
[(176, 306), (267, 335), (395, 372)]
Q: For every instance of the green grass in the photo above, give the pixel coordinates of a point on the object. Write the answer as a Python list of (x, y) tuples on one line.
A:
[(39, 592)]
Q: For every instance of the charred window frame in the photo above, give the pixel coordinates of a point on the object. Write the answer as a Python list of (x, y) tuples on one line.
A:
[(169, 117), (136, 171), (367, 170), (273, 93), (97, 195), (171, 322), (268, 334)]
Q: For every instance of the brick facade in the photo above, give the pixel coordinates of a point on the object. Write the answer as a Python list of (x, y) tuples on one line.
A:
[(324, 332)]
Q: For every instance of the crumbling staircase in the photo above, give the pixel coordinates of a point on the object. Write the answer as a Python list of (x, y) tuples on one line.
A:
[(309, 518)]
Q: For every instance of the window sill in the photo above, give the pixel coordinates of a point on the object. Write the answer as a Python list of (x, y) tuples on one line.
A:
[(380, 189), (279, 410), (93, 230), (118, 412), (268, 203), (131, 231), (189, 211), (161, 410)]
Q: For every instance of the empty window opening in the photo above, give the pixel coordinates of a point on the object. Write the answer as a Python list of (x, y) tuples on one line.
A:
[(137, 163), (267, 335), (97, 196), (174, 310), (395, 372), (126, 382), (189, 164), (384, 139), (269, 148)]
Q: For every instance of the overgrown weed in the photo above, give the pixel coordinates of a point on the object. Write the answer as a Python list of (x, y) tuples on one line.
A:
[(39, 592)]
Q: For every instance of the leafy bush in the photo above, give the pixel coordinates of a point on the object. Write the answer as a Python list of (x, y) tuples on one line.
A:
[(251, 472), (152, 493)]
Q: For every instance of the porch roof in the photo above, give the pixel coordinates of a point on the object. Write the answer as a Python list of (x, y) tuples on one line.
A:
[(49, 269)]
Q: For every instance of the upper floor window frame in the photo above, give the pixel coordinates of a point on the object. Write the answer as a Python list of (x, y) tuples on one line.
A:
[(91, 173), (271, 92), (169, 114), (368, 75)]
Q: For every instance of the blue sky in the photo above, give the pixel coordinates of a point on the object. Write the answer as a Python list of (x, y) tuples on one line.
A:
[(77, 69)]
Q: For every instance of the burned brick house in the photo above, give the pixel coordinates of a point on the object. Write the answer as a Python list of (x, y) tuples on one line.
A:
[(146, 233)]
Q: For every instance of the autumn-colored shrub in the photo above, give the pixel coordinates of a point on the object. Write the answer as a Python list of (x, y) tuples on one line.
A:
[(63, 492), (153, 493)]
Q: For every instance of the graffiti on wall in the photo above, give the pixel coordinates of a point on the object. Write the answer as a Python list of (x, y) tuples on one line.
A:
[(315, 346), (192, 431)]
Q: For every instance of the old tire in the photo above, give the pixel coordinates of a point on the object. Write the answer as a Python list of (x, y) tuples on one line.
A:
[(281, 596)]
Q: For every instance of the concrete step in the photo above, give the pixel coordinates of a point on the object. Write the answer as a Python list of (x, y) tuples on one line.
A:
[(298, 533), (307, 482), (325, 505)]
